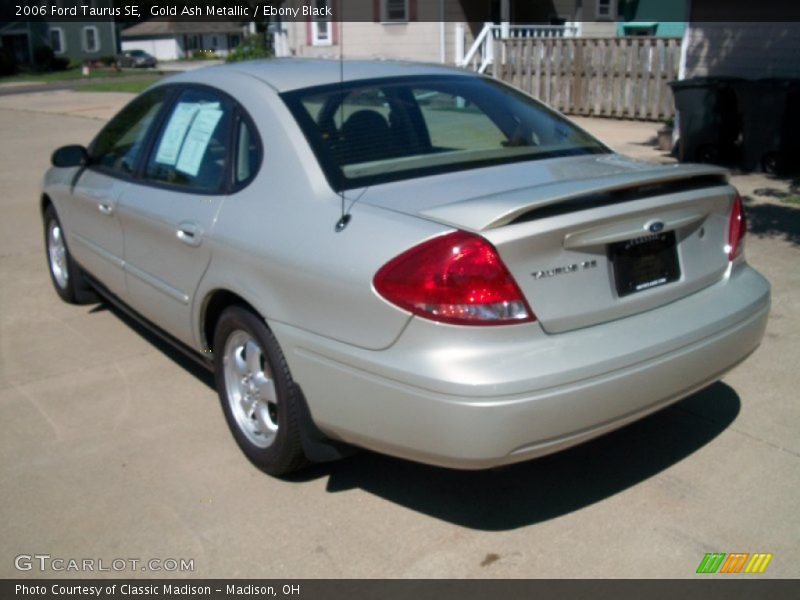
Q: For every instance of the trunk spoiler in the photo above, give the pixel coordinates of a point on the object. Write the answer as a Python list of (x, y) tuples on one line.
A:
[(495, 210)]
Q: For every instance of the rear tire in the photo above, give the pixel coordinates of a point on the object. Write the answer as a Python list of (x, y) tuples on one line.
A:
[(257, 393), (66, 276)]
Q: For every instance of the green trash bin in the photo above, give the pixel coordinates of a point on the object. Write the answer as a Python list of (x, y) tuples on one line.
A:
[(708, 119)]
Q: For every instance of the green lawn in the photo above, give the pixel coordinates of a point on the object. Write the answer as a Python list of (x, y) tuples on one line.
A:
[(133, 86), (71, 74)]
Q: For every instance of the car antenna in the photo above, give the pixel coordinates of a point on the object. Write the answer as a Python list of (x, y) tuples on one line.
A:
[(341, 224)]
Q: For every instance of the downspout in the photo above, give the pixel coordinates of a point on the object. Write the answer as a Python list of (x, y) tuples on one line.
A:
[(30, 44), (687, 31), (442, 51), (117, 49)]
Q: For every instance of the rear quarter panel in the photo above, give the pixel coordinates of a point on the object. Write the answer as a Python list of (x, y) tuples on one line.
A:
[(274, 242)]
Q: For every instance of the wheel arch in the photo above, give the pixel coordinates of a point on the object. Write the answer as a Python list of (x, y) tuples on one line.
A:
[(44, 202), (316, 445), (215, 302)]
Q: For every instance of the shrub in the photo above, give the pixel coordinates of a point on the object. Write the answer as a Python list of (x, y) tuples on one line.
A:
[(43, 57), (203, 55), (59, 63), (253, 46), (107, 60), (8, 64)]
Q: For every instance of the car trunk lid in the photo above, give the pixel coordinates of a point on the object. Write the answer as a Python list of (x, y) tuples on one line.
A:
[(592, 239)]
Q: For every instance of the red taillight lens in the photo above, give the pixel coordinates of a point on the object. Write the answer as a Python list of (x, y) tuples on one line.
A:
[(737, 227), (454, 278)]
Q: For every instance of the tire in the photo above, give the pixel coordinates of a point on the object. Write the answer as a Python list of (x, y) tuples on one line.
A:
[(257, 393), (66, 276)]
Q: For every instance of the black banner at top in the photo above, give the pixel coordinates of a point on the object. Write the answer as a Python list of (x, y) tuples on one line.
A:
[(392, 12)]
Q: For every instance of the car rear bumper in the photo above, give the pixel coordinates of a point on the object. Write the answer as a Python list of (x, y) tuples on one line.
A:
[(482, 397)]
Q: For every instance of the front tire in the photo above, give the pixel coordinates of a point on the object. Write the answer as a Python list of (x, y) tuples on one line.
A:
[(257, 393), (66, 276)]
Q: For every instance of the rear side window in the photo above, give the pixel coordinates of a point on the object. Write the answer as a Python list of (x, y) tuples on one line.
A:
[(191, 149), (118, 146), (247, 153)]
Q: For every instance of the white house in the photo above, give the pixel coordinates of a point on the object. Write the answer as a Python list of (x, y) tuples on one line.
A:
[(173, 40), (446, 31)]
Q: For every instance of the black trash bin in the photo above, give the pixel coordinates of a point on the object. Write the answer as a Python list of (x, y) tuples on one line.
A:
[(770, 115), (708, 119)]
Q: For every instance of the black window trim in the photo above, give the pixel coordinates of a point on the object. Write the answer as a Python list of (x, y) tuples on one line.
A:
[(121, 175), (173, 92)]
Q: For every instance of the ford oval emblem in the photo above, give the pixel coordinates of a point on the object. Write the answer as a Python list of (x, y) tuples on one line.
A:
[(655, 227)]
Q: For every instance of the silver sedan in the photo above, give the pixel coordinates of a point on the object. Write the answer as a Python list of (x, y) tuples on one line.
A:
[(406, 258)]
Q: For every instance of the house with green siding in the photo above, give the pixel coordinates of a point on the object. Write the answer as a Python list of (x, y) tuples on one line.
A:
[(74, 40), (660, 18)]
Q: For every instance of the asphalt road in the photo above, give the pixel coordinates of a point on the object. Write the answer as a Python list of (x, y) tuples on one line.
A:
[(112, 446)]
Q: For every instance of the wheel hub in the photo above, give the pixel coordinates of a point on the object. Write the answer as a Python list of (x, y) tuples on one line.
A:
[(250, 389)]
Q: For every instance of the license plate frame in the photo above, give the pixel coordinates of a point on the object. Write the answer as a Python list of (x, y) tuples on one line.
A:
[(644, 263)]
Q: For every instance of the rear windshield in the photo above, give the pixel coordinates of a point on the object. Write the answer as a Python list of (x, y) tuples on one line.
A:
[(376, 131)]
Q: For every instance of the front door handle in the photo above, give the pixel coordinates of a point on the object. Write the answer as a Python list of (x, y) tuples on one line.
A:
[(190, 234), (106, 209)]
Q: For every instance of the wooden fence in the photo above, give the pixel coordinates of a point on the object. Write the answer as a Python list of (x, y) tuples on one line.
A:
[(622, 77)]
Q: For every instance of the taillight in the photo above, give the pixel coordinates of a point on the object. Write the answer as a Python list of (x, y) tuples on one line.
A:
[(737, 227), (454, 278)]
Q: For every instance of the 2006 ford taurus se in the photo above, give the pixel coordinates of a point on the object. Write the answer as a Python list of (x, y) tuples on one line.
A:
[(406, 258)]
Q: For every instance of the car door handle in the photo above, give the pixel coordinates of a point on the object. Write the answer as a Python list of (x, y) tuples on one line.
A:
[(190, 234), (106, 209)]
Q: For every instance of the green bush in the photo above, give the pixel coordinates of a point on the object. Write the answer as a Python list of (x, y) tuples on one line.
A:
[(43, 57), (8, 64), (59, 63), (204, 55), (252, 47), (107, 60)]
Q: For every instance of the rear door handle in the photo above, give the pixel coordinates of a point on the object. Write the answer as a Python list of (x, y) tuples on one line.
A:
[(190, 234), (106, 209)]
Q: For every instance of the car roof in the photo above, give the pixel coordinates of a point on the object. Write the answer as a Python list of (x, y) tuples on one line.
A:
[(286, 74)]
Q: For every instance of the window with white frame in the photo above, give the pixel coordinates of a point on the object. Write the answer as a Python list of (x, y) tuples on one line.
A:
[(394, 11), (606, 9), (91, 39), (57, 40), (321, 27)]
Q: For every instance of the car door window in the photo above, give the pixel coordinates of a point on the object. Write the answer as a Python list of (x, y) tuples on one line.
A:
[(191, 150), (118, 146)]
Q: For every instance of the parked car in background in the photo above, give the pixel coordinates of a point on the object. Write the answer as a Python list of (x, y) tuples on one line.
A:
[(407, 258), (136, 58)]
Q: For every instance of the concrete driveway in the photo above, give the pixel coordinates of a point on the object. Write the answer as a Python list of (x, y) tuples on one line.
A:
[(114, 447)]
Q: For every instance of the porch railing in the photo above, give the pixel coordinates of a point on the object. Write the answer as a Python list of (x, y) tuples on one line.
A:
[(481, 54)]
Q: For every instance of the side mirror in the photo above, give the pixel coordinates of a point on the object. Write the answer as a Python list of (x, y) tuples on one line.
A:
[(70, 156)]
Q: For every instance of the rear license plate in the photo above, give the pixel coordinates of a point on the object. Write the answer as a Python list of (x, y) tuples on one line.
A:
[(644, 263)]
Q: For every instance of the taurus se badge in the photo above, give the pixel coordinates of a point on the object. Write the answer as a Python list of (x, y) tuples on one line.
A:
[(573, 268)]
